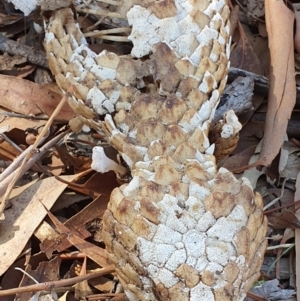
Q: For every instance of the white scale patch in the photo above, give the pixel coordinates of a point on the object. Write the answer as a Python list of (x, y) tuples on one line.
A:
[(197, 54), (226, 228), (127, 159), (49, 37), (88, 63), (196, 209), (162, 275), (103, 73), (185, 45), (132, 187), (201, 264), (221, 40), (198, 191), (152, 253), (166, 235), (227, 131), (176, 259), (146, 174), (183, 8), (175, 223), (202, 292), (97, 99), (205, 85), (217, 255), (206, 111), (191, 124), (191, 261), (136, 17), (208, 165), (213, 7), (207, 35), (187, 220), (199, 157), (114, 96), (194, 243), (76, 58), (214, 267), (169, 204), (173, 30), (206, 221), (174, 216), (132, 297)]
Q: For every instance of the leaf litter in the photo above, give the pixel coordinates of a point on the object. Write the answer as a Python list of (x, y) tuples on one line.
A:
[(67, 237)]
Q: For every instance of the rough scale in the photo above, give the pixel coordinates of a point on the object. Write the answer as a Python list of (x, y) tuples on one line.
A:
[(181, 229)]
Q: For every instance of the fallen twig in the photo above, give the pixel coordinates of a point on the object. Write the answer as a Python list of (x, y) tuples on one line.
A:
[(50, 286), (25, 163), (37, 165), (119, 296), (5, 183)]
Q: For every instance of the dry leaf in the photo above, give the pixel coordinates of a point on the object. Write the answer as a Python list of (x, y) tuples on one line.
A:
[(250, 135), (240, 159), (244, 57), (94, 252), (7, 151), (24, 216), (12, 278), (77, 223), (103, 284), (25, 97), (259, 44), (23, 71), (56, 166), (45, 231), (9, 19), (60, 243), (93, 210), (283, 219), (98, 183), (8, 62), (82, 289), (45, 272), (19, 123), (67, 199), (282, 94)]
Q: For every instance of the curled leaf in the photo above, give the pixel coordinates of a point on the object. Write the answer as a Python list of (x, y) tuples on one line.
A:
[(282, 93)]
